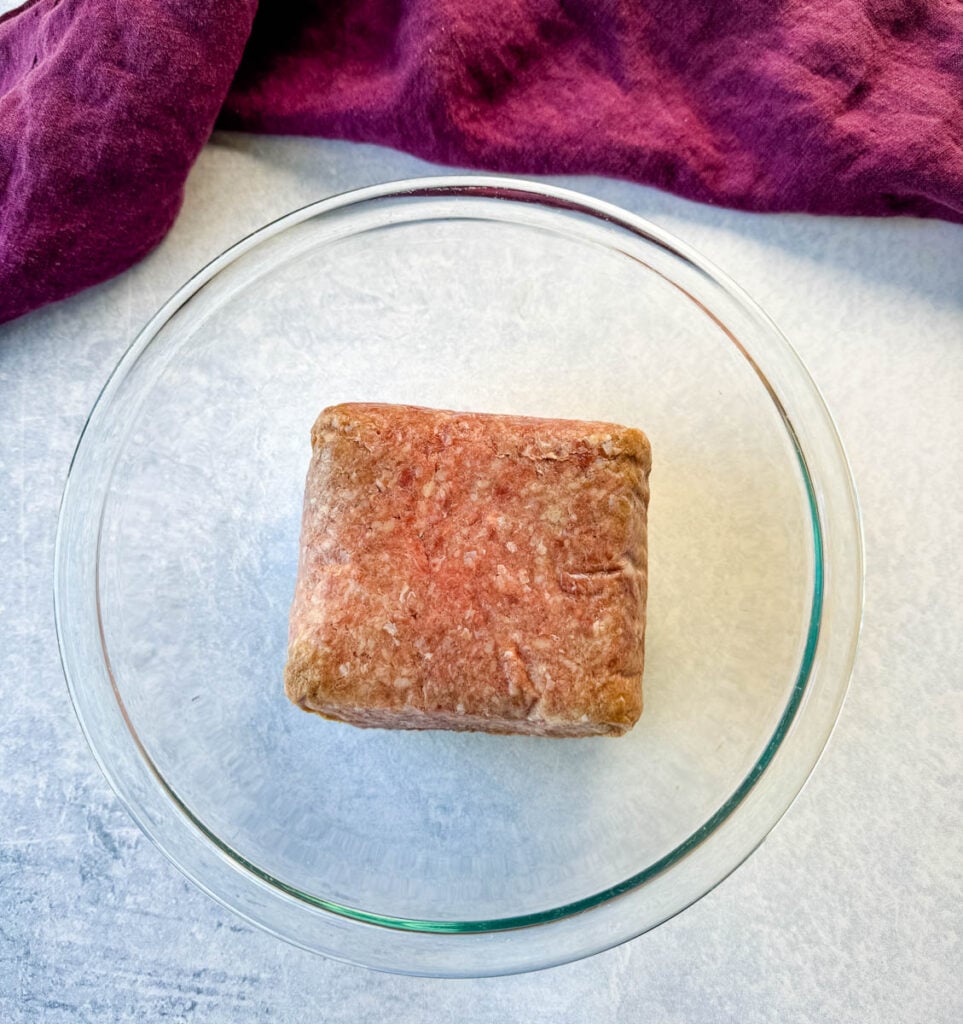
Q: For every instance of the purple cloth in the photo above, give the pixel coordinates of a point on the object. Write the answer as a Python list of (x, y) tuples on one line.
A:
[(852, 107)]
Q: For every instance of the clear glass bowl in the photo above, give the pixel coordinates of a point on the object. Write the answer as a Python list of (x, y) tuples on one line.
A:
[(442, 853)]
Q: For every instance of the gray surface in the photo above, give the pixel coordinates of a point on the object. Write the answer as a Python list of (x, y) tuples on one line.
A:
[(851, 911)]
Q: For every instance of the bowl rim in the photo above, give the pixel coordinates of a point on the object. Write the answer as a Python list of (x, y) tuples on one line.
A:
[(506, 190)]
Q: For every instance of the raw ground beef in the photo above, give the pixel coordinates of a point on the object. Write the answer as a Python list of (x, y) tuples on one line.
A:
[(472, 572)]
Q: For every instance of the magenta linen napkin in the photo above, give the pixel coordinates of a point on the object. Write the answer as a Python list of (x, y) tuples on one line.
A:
[(850, 107)]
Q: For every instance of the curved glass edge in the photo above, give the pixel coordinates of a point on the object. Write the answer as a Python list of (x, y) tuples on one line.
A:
[(576, 906), (508, 190)]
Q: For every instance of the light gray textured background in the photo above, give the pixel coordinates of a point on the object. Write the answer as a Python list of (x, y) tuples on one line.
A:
[(851, 911)]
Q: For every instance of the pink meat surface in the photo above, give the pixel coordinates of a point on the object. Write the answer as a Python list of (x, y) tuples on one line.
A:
[(471, 572)]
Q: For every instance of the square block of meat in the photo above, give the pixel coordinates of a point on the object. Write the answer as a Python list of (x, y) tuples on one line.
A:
[(472, 572)]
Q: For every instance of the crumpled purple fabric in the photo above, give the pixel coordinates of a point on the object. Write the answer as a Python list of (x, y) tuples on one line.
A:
[(850, 107)]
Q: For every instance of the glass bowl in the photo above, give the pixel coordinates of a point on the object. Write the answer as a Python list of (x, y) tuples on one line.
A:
[(441, 853)]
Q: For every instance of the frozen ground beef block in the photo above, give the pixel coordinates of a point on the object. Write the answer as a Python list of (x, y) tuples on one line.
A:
[(472, 572)]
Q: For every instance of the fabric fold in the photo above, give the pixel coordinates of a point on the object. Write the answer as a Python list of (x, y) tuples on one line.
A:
[(104, 107), (849, 108)]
